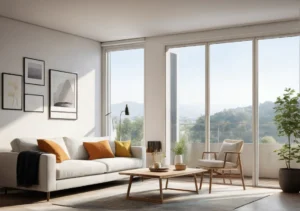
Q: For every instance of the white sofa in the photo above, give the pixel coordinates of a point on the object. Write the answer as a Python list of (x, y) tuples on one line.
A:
[(76, 172)]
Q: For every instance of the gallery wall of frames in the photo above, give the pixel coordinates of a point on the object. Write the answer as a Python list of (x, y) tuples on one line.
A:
[(21, 92)]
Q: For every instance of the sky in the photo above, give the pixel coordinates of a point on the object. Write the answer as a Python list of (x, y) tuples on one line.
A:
[(230, 73), (127, 76)]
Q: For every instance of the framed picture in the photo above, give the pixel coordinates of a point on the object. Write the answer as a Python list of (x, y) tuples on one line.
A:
[(12, 91), (63, 96), (34, 103), (34, 71)]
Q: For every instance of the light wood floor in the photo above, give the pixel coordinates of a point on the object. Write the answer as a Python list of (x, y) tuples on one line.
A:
[(31, 201), (263, 182)]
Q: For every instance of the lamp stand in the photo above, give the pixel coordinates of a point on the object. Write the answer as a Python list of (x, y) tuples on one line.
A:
[(120, 127)]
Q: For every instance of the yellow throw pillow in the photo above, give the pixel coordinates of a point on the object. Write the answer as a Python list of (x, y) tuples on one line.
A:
[(97, 150), (53, 148), (123, 148)]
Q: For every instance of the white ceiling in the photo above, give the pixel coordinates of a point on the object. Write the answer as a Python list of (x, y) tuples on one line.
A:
[(108, 20)]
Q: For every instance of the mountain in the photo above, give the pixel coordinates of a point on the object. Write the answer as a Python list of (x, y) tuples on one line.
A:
[(186, 111), (137, 109), (191, 111)]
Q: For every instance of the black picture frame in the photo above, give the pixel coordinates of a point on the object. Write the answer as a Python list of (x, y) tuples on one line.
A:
[(3, 94), (73, 114), (43, 71), (43, 105)]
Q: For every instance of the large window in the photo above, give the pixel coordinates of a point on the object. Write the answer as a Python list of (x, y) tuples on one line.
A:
[(231, 91), (188, 92), (278, 69), (127, 88)]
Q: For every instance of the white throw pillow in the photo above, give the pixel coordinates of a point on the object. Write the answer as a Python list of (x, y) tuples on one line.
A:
[(229, 147)]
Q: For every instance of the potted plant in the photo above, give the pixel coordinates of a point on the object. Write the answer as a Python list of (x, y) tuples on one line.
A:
[(179, 150), (287, 120)]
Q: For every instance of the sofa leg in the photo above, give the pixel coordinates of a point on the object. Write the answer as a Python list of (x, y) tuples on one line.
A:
[(48, 196)]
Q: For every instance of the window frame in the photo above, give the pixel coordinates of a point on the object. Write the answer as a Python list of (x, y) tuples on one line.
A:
[(106, 83), (255, 88)]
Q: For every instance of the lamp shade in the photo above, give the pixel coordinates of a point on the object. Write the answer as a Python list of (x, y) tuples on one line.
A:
[(126, 110)]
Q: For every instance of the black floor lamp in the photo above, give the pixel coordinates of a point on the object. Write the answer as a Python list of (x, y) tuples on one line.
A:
[(126, 111)]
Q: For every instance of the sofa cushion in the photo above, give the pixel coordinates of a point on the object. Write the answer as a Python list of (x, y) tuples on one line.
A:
[(120, 163), (30, 144), (77, 150), (24, 144), (78, 168)]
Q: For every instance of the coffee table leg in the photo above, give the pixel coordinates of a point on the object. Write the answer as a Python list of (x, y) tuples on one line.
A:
[(167, 184), (129, 186), (196, 184), (201, 180), (161, 191)]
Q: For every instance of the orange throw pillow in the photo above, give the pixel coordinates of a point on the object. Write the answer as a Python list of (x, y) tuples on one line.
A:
[(97, 150), (52, 147)]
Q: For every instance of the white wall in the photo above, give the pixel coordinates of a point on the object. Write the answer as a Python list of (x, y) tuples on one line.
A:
[(62, 52), (155, 66)]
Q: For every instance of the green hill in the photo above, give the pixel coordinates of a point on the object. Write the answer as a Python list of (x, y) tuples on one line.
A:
[(236, 123)]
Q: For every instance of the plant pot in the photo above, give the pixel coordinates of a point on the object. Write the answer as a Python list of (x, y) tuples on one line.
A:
[(178, 159), (289, 180)]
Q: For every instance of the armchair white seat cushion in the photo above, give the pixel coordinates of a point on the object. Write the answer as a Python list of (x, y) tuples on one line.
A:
[(78, 168), (120, 163), (215, 164)]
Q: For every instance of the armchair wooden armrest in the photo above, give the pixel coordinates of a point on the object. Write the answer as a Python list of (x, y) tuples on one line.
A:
[(233, 152), (215, 154)]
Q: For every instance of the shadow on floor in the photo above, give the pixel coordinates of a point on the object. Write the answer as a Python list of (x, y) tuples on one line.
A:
[(20, 197)]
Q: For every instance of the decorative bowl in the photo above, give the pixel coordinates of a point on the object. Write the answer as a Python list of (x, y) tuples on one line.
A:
[(161, 169), (180, 166)]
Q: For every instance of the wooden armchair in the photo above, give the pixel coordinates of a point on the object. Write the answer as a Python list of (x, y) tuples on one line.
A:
[(224, 162)]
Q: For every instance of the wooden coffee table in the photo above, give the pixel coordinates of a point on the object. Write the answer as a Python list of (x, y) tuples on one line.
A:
[(146, 173)]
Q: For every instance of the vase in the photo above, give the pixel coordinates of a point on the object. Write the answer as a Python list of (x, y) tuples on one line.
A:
[(178, 159), (163, 162), (289, 180)]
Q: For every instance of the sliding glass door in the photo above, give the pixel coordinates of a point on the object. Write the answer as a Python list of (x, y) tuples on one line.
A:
[(278, 68), (187, 98), (231, 97), (220, 90), (217, 97), (231, 91)]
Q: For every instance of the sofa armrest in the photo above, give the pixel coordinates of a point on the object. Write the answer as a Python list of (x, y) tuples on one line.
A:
[(139, 152), (47, 172)]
